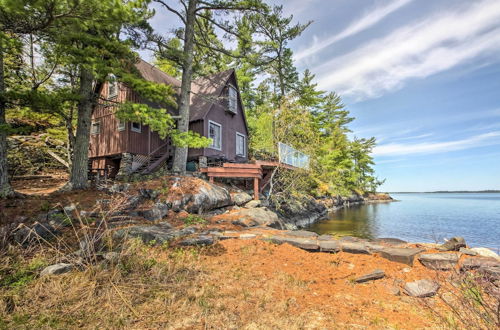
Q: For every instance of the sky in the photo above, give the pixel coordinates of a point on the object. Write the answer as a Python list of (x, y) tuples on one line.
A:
[(423, 77)]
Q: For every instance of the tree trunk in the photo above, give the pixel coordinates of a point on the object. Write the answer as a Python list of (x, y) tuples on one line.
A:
[(79, 165), (5, 188), (181, 153)]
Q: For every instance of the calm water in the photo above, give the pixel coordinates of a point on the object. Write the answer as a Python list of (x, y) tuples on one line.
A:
[(422, 218)]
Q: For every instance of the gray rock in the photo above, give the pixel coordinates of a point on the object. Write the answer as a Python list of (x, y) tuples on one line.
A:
[(253, 204), (453, 244), (325, 237), (208, 197), (439, 261), (148, 193), (302, 243), (492, 272), (301, 233), (421, 288), (25, 235), (375, 275), (57, 269), (159, 233), (198, 240), (256, 217), (155, 213), (247, 236), (485, 252), (241, 198), (468, 252), (111, 256), (351, 239), (389, 241), (131, 203), (119, 187), (354, 247), (479, 262), (401, 255), (373, 247), (329, 246)]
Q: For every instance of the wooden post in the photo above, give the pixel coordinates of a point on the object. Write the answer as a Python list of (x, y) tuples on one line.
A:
[(256, 188), (211, 179)]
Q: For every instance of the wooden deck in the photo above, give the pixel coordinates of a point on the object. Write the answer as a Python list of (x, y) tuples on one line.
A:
[(260, 171)]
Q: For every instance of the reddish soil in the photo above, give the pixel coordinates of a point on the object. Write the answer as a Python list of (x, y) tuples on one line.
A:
[(323, 283)]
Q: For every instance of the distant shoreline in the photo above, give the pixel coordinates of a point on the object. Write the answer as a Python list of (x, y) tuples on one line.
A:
[(448, 192)]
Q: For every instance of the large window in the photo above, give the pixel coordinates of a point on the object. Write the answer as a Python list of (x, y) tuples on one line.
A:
[(232, 99), (240, 145), (95, 128), (112, 87), (215, 133)]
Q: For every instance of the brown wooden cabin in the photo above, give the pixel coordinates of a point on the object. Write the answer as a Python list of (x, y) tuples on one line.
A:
[(216, 112)]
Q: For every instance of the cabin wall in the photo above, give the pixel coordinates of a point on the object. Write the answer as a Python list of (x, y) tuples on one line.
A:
[(231, 123), (198, 127), (111, 141)]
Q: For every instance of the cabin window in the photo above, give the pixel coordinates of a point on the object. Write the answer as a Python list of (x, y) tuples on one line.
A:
[(232, 99), (95, 128), (121, 125), (112, 87), (136, 127), (215, 133), (240, 145)]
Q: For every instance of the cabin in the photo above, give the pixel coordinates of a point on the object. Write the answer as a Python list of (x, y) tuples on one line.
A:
[(124, 148)]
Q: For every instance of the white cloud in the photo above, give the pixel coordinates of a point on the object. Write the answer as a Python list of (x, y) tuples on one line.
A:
[(392, 149), (372, 17), (430, 46)]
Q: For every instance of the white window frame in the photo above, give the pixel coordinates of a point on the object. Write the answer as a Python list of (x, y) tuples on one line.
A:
[(112, 82), (231, 87), (93, 131), (244, 154), (122, 125), (212, 146), (133, 129)]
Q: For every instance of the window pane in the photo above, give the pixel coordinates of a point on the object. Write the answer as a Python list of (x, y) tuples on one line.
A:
[(215, 135)]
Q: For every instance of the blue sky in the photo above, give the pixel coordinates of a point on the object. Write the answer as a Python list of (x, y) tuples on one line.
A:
[(421, 76)]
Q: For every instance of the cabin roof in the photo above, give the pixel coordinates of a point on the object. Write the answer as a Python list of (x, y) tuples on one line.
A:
[(205, 91)]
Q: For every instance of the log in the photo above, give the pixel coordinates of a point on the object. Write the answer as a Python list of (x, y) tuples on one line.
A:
[(59, 159)]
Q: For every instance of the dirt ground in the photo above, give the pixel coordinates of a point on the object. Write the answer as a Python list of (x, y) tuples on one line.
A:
[(320, 285)]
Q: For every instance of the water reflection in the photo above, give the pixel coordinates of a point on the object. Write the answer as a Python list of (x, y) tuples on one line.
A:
[(359, 221)]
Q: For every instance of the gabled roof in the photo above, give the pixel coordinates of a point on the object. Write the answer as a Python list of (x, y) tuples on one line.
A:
[(152, 73), (205, 91)]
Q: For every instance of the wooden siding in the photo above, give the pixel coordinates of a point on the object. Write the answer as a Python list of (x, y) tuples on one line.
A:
[(198, 127), (110, 141), (231, 123)]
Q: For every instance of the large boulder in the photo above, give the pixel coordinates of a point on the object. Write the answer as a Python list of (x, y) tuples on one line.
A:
[(299, 212), (240, 198), (204, 197), (256, 217)]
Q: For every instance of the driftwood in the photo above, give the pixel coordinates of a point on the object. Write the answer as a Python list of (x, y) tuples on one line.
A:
[(59, 159)]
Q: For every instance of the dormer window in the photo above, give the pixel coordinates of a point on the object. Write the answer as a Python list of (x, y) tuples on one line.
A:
[(232, 99), (112, 87)]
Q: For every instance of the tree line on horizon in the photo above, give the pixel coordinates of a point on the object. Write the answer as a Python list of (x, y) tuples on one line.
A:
[(55, 56)]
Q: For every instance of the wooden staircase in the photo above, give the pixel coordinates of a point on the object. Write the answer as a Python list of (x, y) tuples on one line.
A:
[(152, 161)]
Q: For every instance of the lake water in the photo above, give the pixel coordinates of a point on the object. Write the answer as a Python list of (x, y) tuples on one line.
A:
[(422, 217)]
